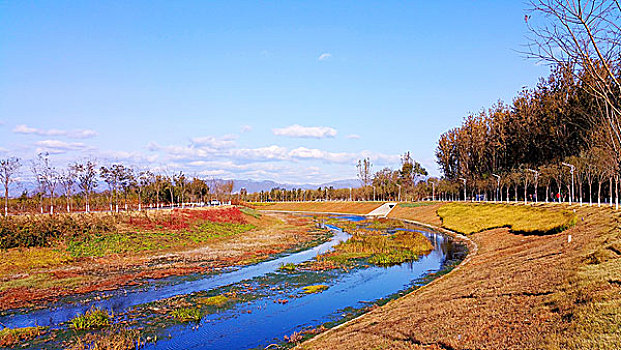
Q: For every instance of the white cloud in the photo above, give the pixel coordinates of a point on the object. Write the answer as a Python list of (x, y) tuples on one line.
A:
[(353, 136), (76, 134), (246, 128), (58, 147), (312, 153), (295, 130), (324, 56), (227, 141), (262, 153), (130, 156)]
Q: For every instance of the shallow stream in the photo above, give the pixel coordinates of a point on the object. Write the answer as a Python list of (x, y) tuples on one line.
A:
[(269, 303)]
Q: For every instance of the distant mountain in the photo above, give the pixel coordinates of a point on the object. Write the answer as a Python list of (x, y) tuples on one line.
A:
[(266, 185), (250, 186)]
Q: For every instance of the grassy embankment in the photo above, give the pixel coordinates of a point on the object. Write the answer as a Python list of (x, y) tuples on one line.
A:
[(469, 218), (46, 257), (33, 243), (520, 291)]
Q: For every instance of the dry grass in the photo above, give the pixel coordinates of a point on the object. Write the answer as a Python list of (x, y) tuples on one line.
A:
[(115, 339), (16, 336), (470, 218), (426, 214), (323, 207)]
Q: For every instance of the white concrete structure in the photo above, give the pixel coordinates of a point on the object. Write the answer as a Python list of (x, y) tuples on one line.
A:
[(383, 210)]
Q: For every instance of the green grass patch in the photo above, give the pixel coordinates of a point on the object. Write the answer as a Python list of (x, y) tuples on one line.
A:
[(382, 250), (468, 218), (217, 300), (119, 243), (91, 319), (382, 224), (251, 212), (187, 314), (261, 204), (317, 288), (416, 204), (289, 267)]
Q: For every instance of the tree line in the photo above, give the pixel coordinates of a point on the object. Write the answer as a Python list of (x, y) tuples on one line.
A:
[(74, 187)]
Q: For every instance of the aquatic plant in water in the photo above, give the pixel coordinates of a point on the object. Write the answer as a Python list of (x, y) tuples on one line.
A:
[(317, 288), (93, 318), (187, 314)]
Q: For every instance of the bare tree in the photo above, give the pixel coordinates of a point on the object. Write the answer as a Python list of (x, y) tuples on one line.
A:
[(127, 180), (67, 180), (585, 38), (46, 176), (8, 169), (87, 175), (145, 178)]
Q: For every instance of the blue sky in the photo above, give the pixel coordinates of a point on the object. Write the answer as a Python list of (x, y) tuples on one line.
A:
[(286, 91)]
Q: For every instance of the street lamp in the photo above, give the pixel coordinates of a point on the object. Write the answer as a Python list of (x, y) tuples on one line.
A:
[(571, 170), (465, 195), (497, 186), (536, 181)]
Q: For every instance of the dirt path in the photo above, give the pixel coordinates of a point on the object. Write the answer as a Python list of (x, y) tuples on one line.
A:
[(506, 297)]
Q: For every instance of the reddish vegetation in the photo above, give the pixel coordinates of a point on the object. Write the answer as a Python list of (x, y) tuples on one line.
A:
[(181, 219)]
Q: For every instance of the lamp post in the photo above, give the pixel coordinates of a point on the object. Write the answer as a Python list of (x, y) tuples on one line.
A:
[(465, 195), (399, 192), (571, 170), (536, 181), (497, 186), (433, 190)]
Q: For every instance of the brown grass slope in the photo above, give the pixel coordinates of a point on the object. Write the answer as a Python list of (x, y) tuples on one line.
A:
[(518, 292)]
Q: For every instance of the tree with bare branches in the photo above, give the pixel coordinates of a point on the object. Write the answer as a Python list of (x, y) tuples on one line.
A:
[(8, 169), (585, 38), (86, 174)]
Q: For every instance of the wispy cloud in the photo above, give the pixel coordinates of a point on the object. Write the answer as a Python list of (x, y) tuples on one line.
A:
[(226, 141), (313, 153), (58, 147), (246, 128), (353, 136), (76, 134), (324, 56), (272, 152), (317, 132)]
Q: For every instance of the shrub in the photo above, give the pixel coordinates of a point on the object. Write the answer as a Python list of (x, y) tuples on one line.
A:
[(93, 318), (187, 314)]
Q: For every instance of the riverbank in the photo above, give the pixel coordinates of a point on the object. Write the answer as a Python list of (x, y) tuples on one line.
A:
[(143, 250), (518, 291)]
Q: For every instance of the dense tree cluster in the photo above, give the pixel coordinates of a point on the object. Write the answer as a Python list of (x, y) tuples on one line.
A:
[(526, 150), (566, 132)]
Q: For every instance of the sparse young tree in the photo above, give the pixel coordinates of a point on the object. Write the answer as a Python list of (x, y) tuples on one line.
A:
[(67, 179), (86, 174), (8, 169)]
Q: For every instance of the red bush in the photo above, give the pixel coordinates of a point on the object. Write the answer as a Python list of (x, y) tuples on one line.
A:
[(181, 219)]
